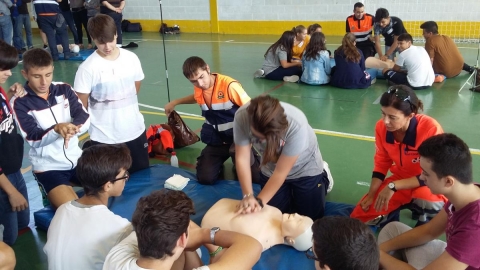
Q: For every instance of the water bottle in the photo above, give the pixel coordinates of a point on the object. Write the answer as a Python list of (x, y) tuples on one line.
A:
[(174, 160)]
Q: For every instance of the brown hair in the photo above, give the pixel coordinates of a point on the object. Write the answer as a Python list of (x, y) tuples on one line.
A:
[(102, 28), (298, 29), (348, 48), (312, 28), (8, 56), (159, 220), (191, 66), (36, 58), (402, 98), (268, 118), (100, 164)]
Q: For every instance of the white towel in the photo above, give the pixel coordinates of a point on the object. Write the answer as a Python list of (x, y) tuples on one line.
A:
[(176, 182)]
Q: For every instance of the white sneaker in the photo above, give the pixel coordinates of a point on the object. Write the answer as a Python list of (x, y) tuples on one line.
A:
[(330, 177), (259, 73), (374, 81), (293, 78)]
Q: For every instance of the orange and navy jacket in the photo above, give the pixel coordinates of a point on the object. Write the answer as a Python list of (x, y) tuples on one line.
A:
[(402, 158), (362, 29), (218, 126), (158, 133)]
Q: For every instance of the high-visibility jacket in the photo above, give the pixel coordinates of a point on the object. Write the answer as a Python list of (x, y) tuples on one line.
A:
[(362, 29), (218, 126)]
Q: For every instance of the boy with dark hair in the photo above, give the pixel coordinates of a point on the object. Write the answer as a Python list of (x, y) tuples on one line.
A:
[(444, 54), (390, 27), (219, 97), (361, 24), (165, 238), (83, 231), (108, 83), (343, 243), (412, 67), (50, 117), (447, 169), (14, 210)]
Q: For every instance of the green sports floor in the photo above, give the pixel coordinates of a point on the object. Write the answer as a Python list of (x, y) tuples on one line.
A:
[(343, 119)]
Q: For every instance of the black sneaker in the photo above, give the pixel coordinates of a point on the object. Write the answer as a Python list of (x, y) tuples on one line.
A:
[(471, 70), (45, 46)]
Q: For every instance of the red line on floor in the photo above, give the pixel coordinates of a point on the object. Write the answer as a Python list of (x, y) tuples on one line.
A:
[(273, 88), (181, 163)]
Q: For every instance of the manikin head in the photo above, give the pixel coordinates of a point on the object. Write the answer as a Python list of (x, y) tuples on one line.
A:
[(297, 231)]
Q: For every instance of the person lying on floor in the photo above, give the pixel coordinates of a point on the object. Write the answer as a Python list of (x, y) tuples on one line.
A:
[(269, 226), (165, 238)]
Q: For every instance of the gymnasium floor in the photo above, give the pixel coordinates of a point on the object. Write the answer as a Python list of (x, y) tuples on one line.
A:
[(343, 119)]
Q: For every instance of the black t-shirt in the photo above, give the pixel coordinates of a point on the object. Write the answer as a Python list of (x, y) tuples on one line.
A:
[(11, 143), (64, 5), (395, 28)]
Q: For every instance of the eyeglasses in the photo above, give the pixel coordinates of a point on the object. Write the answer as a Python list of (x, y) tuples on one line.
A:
[(310, 255), (401, 94), (125, 177)]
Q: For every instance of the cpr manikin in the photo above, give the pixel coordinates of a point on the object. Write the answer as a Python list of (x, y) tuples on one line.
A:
[(269, 226)]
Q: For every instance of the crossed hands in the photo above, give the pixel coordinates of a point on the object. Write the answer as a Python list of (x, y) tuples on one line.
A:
[(67, 131), (248, 205)]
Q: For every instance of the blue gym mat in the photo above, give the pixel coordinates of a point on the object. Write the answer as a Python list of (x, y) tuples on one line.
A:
[(142, 183), (80, 56)]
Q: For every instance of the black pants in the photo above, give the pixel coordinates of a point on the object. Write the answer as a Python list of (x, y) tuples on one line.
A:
[(401, 78), (80, 18), (280, 72), (138, 151), (212, 157), (117, 17), (304, 195)]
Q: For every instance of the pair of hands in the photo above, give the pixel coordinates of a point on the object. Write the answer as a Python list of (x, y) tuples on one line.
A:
[(381, 203), (248, 205), (17, 90), (67, 131)]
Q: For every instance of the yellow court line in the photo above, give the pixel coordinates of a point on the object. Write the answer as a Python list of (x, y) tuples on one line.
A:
[(183, 116)]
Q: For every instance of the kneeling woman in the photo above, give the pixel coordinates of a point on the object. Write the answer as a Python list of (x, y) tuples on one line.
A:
[(292, 177), (350, 71), (278, 64)]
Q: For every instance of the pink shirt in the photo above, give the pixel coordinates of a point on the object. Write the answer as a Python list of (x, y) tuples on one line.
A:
[(463, 234)]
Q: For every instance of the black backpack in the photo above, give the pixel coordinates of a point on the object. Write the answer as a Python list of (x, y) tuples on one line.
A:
[(125, 24)]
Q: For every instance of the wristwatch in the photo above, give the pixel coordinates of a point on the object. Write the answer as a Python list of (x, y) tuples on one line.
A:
[(391, 186), (213, 231)]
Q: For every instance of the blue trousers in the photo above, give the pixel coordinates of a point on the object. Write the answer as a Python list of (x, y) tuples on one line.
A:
[(13, 221), (49, 26), (20, 22)]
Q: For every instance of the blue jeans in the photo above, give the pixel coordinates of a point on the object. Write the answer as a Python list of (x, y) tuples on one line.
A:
[(49, 27), (71, 24), (22, 20), (13, 221), (6, 29), (373, 73)]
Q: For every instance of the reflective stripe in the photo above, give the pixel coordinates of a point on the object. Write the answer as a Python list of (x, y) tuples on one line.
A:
[(361, 39), (204, 107), (45, 2), (362, 33), (218, 106), (221, 127)]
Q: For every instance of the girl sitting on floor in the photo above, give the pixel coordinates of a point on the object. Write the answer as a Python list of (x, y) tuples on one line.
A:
[(316, 61), (314, 28), (301, 41), (278, 64), (350, 71)]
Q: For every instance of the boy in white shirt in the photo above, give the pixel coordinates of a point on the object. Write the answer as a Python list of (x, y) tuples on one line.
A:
[(83, 231), (412, 67)]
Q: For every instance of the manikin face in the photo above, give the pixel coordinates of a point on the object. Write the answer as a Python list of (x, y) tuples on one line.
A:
[(395, 119), (403, 45), (358, 12), (106, 49), (39, 78), (202, 79), (384, 22), (294, 225)]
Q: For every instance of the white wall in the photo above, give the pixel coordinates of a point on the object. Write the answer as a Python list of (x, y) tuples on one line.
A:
[(302, 10), (171, 9)]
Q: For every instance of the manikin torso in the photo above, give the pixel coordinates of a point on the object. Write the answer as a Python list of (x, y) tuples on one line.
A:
[(265, 225)]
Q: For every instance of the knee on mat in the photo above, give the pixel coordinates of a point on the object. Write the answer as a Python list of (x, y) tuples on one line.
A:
[(207, 177)]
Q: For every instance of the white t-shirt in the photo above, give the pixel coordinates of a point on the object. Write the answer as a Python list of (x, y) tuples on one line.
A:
[(113, 102), (80, 236), (418, 65), (124, 256)]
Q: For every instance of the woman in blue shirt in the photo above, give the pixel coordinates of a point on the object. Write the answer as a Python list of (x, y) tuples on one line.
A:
[(316, 61)]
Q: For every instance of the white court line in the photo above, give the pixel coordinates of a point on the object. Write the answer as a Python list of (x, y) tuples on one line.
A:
[(317, 131), (246, 42), (377, 101)]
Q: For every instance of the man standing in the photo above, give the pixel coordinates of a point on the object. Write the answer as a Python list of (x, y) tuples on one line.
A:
[(413, 67), (390, 27), (447, 169), (6, 26), (444, 54), (219, 97), (21, 18), (361, 24)]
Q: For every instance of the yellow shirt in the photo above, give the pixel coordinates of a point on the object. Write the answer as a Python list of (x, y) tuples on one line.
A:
[(298, 50)]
